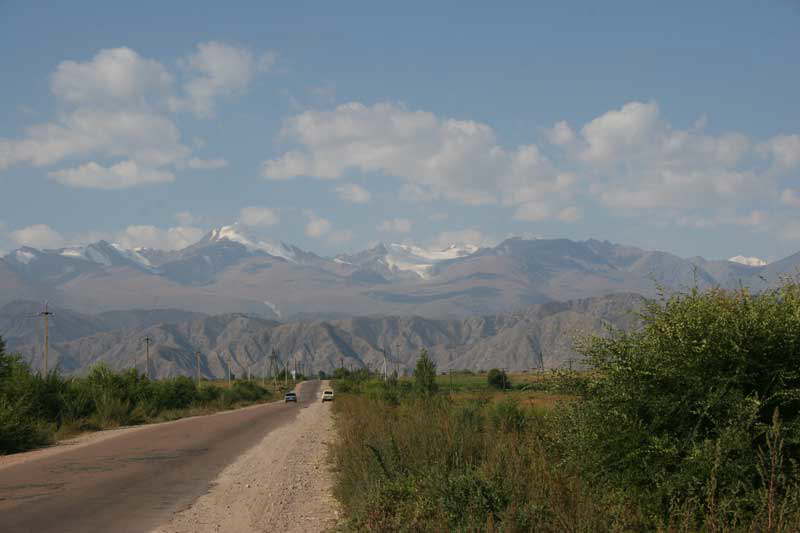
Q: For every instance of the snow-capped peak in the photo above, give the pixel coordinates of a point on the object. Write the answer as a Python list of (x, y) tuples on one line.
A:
[(749, 261), (408, 257), (235, 233), (103, 253)]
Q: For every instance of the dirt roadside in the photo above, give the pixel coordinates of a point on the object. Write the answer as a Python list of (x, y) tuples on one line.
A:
[(281, 484)]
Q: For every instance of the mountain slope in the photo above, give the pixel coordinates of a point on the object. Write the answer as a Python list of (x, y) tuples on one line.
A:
[(230, 271), (539, 335)]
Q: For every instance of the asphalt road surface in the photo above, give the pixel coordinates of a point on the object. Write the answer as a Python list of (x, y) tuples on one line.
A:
[(136, 480)]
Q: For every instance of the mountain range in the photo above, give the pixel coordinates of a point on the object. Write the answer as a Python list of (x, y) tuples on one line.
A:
[(230, 271), (539, 336)]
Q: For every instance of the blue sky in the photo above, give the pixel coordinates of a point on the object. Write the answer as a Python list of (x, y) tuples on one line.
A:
[(671, 126)]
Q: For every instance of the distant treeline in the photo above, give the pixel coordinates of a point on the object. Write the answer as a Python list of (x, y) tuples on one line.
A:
[(36, 410), (690, 423)]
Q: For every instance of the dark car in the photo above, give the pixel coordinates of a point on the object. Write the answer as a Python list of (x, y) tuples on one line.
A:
[(290, 397)]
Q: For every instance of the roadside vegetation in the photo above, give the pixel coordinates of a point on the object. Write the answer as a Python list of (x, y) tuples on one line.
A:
[(691, 423), (36, 410)]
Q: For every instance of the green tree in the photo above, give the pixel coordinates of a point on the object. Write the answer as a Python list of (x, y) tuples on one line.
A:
[(498, 379), (425, 374)]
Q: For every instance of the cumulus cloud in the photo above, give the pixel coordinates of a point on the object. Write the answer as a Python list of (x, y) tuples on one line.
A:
[(38, 236), (119, 176), (258, 216), (316, 226), (561, 134), (785, 150), (217, 69), (637, 160), (350, 192), (395, 225), (146, 236), (459, 160), (114, 78), (114, 117)]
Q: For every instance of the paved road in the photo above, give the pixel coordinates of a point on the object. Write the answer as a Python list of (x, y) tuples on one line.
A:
[(134, 481)]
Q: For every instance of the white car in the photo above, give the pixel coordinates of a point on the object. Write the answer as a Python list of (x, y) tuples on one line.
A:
[(327, 396)]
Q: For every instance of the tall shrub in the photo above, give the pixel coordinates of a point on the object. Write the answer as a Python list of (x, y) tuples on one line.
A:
[(679, 409), (425, 374)]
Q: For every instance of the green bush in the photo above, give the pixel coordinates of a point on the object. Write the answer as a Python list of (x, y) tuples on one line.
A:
[(498, 379), (34, 408), (679, 410)]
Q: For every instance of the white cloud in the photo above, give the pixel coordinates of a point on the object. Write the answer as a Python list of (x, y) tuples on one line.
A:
[(561, 134), (114, 119), (350, 192), (146, 138), (785, 150), (618, 132), (636, 160), (120, 176), (316, 226), (146, 236), (114, 78), (38, 236), (258, 216), (459, 160), (206, 164), (438, 216), (217, 69), (569, 214), (395, 225), (790, 197)]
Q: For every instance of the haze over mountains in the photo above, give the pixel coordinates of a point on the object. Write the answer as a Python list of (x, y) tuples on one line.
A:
[(229, 271), (541, 336), (517, 305)]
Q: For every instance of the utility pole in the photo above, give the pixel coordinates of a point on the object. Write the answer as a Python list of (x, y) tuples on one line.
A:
[(273, 368), (147, 341), (229, 368), (46, 315), (450, 371), (286, 374), (197, 365)]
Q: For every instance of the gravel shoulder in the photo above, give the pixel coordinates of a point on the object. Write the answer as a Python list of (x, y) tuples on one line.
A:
[(281, 484)]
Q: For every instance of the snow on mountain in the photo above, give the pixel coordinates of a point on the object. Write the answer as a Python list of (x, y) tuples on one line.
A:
[(749, 261), (235, 233), (106, 254), (411, 258), (24, 256)]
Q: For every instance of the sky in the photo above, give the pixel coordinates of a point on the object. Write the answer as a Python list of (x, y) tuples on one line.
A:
[(335, 125)]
